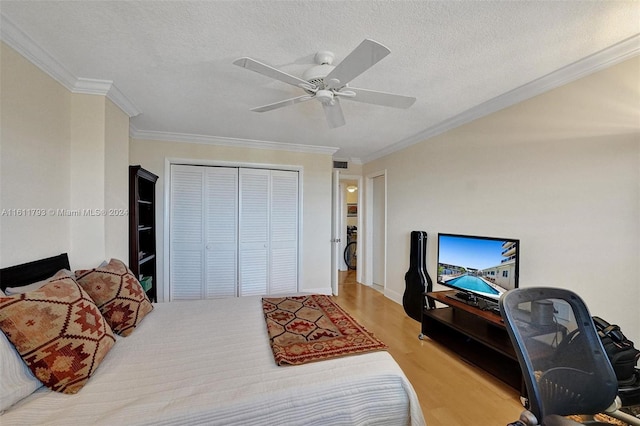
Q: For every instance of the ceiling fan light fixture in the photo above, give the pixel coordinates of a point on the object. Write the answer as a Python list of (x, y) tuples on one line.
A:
[(325, 96)]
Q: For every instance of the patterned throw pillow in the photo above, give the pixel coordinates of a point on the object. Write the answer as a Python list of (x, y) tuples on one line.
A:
[(118, 295), (58, 331)]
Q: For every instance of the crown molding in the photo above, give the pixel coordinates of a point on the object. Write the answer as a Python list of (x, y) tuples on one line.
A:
[(605, 58), (24, 45), (224, 141), (91, 86)]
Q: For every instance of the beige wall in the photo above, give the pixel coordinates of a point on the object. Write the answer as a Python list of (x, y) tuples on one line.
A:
[(352, 197), (116, 183), (87, 178), (315, 246), (63, 155), (34, 160), (560, 171)]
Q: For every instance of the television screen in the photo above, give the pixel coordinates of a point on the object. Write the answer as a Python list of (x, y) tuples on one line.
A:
[(482, 266)]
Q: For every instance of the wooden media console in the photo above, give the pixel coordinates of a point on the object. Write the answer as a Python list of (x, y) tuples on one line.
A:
[(477, 335)]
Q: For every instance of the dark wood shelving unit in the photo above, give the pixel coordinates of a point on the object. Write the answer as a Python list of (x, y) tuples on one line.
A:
[(478, 336), (142, 227)]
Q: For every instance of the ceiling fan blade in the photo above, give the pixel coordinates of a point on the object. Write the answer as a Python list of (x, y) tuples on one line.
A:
[(269, 71), (333, 113), (380, 98), (363, 57), (281, 104)]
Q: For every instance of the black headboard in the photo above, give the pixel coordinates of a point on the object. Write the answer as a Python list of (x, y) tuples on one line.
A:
[(38, 270)]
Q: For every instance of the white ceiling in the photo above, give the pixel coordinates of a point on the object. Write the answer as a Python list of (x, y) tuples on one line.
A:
[(172, 61)]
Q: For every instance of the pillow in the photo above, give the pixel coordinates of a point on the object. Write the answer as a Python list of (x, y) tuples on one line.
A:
[(58, 331), (118, 295), (16, 380), (9, 291)]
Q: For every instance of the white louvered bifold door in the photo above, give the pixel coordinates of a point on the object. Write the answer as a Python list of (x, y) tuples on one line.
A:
[(254, 232), (203, 232), (284, 232), (233, 232), (221, 230), (186, 233)]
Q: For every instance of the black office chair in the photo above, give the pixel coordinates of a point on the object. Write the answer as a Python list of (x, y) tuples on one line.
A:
[(564, 365)]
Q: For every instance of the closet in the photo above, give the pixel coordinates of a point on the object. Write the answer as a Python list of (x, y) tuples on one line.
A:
[(233, 231)]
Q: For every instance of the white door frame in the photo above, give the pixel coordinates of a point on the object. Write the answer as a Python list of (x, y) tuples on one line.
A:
[(368, 227), (336, 223)]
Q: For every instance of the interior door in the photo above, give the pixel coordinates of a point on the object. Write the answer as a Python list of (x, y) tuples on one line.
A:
[(221, 223), (203, 232), (186, 233), (335, 230), (254, 232), (284, 207), (268, 232), (232, 232)]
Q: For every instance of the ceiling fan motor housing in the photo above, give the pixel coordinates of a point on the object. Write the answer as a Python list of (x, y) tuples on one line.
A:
[(316, 74)]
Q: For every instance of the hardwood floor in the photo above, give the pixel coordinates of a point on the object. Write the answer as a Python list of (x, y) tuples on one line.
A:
[(451, 392)]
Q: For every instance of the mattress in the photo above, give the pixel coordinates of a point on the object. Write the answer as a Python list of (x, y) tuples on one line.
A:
[(210, 362)]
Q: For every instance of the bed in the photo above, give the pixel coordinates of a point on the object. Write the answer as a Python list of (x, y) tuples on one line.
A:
[(210, 362)]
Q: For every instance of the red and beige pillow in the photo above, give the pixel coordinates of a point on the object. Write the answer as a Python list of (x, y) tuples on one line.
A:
[(118, 295), (58, 331)]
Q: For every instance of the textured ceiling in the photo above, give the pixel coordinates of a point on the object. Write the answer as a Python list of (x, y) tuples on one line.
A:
[(173, 60)]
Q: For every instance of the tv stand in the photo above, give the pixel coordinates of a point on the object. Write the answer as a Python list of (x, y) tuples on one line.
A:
[(476, 335), (465, 296)]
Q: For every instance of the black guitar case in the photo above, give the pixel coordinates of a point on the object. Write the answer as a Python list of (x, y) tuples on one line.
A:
[(417, 278)]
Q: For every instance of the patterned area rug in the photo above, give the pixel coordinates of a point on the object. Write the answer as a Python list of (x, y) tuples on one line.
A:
[(313, 328), (633, 410)]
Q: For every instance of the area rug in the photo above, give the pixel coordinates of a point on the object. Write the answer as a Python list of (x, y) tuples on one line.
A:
[(313, 328), (633, 410)]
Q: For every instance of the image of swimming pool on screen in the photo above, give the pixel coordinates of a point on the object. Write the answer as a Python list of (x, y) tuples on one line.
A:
[(485, 266)]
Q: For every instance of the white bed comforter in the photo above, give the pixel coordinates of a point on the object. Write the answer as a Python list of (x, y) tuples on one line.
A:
[(209, 362)]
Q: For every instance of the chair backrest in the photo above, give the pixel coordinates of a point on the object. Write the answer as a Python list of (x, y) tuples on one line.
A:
[(565, 368)]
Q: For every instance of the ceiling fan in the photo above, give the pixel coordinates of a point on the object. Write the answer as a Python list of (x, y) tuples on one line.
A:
[(327, 83)]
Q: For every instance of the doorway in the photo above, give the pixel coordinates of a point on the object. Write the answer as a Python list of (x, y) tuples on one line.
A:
[(350, 219), (349, 230)]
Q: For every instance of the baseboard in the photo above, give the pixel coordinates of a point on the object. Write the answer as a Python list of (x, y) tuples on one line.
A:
[(322, 290), (395, 296)]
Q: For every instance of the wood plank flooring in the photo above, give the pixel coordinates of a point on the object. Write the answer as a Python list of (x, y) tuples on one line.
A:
[(451, 392)]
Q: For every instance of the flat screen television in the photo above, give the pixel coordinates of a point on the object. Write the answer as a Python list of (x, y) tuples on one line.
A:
[(478, 267)]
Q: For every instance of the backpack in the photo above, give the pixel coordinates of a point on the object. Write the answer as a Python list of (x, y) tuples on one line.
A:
[(620, 350)]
